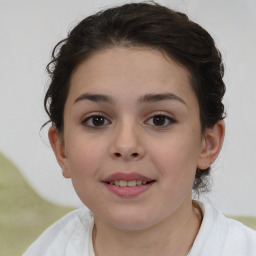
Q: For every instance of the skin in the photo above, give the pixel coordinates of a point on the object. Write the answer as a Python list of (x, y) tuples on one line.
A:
[(163, 219)]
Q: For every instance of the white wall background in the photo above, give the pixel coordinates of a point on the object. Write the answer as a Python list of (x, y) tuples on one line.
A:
[(30, 29)]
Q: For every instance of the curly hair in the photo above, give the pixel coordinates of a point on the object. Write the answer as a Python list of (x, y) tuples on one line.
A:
[(144, 25)]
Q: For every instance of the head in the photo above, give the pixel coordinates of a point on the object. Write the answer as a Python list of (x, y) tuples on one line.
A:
[(164, 30)]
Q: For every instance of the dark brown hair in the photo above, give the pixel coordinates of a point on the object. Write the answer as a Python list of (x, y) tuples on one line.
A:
[(144, 25)]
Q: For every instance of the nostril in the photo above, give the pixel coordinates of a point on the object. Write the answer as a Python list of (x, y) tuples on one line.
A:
[(133, 155)]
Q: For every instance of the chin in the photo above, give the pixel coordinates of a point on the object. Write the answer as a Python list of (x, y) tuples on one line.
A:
[(130, 220)]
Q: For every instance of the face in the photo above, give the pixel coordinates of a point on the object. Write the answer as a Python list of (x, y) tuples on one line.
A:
[(132, 137)]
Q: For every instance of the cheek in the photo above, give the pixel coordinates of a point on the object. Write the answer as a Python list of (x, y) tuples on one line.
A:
[(85, 157), (176, 157)]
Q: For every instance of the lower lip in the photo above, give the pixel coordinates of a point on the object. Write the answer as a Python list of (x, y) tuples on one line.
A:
[(128, 191)]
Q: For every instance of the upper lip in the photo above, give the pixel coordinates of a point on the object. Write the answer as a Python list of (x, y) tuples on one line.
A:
[(127, 177)]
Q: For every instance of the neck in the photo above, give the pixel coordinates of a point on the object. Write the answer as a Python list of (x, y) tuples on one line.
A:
[(173, 236)]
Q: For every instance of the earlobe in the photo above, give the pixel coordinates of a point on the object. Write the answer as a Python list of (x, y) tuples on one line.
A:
[(211, 145), (58, 148)]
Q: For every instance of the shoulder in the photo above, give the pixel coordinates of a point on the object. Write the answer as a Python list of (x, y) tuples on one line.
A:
[(68, 235), (240, 237), (219, 235)]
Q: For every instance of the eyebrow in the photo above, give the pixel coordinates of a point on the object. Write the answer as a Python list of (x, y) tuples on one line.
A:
[(151, 98), (95, 98), (148, 98)]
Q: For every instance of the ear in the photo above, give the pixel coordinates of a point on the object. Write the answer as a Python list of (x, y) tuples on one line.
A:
[(211, 145), (58, 148)]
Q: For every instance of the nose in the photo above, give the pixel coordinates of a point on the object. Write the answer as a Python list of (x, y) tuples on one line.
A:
[(127, 144)]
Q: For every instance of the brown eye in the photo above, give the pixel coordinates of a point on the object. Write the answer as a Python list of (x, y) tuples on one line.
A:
[(160, 120), (96, 121)]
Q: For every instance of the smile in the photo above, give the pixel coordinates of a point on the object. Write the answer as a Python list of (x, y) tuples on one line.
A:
[(128, 185), (131, 183)]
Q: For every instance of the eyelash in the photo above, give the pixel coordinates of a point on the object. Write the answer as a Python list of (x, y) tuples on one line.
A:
[(166, 119), (88, 121)]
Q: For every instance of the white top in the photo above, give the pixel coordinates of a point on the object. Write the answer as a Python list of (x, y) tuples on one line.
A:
[(218, 236)]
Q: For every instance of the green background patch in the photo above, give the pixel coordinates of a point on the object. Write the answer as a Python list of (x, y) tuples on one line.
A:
[(24, 215)]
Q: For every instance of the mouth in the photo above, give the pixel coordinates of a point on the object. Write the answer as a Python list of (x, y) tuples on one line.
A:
[(128, 184)]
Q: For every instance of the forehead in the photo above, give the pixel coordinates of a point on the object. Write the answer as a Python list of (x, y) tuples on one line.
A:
[(125, 70)]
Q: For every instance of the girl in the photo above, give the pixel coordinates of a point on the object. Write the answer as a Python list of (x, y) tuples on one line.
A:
[(135, 102)]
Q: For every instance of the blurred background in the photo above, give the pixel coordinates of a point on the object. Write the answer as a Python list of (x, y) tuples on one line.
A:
[(30, 30)]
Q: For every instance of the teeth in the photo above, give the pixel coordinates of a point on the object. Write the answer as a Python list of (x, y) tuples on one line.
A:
[(123, 183), (131, 183), (138, 182), (116, 182)]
